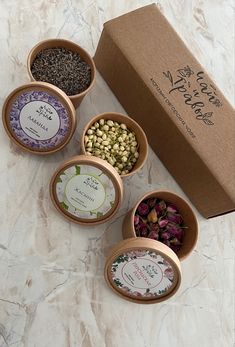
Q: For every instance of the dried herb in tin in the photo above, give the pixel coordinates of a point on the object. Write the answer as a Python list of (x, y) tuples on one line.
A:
[(160, 220), (113, 142), (63, 68)]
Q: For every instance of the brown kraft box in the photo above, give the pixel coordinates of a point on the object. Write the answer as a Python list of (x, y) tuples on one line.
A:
[(188, 122)]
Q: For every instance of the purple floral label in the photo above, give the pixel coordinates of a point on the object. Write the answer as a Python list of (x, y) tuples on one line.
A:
[(142, 273), (39, 120)]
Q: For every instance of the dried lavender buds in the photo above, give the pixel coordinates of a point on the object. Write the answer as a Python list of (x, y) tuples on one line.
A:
[(113, 142), (63, 68), (159, 220)]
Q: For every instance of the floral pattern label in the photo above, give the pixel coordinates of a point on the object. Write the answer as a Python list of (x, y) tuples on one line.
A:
[(142, 273), (39, 120), (85, 191)]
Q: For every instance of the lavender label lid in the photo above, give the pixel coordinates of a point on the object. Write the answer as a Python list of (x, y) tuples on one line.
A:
[(39, 117)]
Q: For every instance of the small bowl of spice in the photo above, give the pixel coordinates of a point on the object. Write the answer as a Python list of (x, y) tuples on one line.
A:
[(64, 64), (118, 139), (165, 217)]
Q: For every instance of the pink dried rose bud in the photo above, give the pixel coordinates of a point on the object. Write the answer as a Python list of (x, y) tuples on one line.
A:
[(153, 235), (152, 202), (175, 218), (172, 208), (152, 216), (162, 204), (143, 209), (144, 233), (165, 236), (160, 207), (162, 223), (153, 226), (175, 230), (136, 220), (160, 220), (143, 230)]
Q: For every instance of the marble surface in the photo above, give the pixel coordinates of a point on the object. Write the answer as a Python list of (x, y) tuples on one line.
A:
[(52, 290)]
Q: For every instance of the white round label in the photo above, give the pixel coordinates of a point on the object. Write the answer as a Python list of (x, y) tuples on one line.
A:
[(39, 120), (85, 192), (142, 273)]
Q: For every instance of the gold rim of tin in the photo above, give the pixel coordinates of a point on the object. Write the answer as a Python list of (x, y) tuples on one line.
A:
[(54, 91), (107, 169), (145, 244)]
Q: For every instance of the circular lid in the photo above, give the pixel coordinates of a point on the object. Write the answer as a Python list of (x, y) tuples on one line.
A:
[(86, 189), (39, 117), (143, 270)]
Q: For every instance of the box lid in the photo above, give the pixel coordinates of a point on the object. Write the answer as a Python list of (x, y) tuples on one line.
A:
[(143, 270), (39, 117)]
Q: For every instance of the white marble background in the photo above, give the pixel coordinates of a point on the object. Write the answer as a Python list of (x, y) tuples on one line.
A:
[(52, 290)]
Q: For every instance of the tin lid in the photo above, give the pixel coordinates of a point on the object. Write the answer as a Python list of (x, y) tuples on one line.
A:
[(86, 190), (39, 117), (143, 270)]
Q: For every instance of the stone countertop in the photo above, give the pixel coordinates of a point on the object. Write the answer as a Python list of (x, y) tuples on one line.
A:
[(52, 289)]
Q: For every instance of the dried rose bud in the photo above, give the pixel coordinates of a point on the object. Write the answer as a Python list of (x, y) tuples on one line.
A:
[(144, 233), (162, 204), (160, 220), (173, 217), (165, 236), (153, 226), (175, 242), (162, 223), (143, 209), (143, 221), (175, 230), (152, 202), (136, 220), (153, 235), (172, 208), (160, 207), (143, 229), (152, 216)]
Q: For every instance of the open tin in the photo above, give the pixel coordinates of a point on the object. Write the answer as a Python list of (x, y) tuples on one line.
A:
[(39, 117), (72, 46), (86, 190), (144, 270)]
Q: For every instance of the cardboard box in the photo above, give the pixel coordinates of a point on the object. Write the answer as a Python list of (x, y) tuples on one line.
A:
[(188, 122)]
